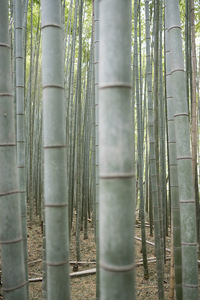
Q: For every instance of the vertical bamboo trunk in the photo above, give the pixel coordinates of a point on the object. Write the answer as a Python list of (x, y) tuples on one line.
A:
[(194, 114), (116, 196), (184, 158), (30, 182), (174, 193), (54, 143), (152, 159), (20, 137), (96, 81), (11, 239), (162, 133), (187, 49), (140, 142), (71, 161), (157, 4), (172, 275), (79, 136)]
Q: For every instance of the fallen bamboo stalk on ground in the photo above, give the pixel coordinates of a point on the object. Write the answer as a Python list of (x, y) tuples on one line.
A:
[(82, 262), (151, 243), (71, 262), (93, 271), (74, 274), (34, 262)]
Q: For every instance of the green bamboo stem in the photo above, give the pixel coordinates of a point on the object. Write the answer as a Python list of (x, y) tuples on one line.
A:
[(140, 142), (175, 207), (117, 176), (11, 237), (20, 137), (152, 159), (30, 194), (72, 108), (162, 133), (79, 136), (96, 83), (194, 121), (54, 143), (156, 95), (184, 159)]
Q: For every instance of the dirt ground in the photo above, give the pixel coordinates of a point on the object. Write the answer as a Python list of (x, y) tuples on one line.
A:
[(83, 288)]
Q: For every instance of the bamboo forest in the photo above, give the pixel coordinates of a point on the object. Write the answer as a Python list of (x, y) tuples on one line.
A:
[(99, 149)]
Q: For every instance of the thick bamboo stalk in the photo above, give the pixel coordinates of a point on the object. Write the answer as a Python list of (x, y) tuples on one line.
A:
[(184, 158), (116, 191), (54, 141), (11, 239)]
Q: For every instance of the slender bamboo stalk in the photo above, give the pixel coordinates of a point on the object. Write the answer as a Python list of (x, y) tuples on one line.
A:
[(162, 115), (194, 115), (19, 60), (140, 141), (152, 159), (156, 95), (96, 82), (30, 194)]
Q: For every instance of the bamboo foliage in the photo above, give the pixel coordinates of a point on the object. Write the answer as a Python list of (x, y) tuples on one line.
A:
[(117, 176), (54, 143)]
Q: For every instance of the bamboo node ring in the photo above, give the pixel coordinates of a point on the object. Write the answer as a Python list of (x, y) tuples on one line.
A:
[(112, 268), (11, 241), (115, 85), (5, 45), (117, 176), (51, 25), (15, 288), (56, 205)]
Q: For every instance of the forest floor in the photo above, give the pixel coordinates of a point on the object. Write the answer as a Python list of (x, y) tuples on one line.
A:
[(84, 288)]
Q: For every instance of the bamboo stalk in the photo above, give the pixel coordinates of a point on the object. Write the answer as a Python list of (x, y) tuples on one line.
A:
[(54, 145), (116, 170)]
